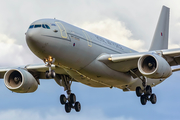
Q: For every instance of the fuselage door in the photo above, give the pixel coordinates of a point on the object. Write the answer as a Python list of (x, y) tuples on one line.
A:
[(62, 30), (88, 38)]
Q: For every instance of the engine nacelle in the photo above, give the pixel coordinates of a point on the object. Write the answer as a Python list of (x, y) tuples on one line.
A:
[(154, 66), (20, 81)]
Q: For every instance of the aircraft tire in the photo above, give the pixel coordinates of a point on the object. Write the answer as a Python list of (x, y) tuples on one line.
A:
[(143, 100), (47, 74), (148, 90), (53, 74), (139, 91), (72, 98), (63, 99), (68, 107), (77, 106), (153, 99)]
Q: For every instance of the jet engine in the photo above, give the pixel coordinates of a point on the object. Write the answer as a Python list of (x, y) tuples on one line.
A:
[(20, 81), (154, 66)]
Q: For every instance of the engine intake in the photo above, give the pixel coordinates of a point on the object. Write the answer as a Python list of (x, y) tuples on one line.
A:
[(154, 66), (20, 81)]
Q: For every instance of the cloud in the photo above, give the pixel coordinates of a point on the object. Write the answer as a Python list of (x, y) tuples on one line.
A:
[(114, 30), (173, 45), (13, 54), (54, 114), (5, 39), (139, 19)]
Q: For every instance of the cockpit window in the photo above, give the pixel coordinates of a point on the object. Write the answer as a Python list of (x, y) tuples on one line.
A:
[(47, 26), (43, 26), (31, 26), (39, 26)]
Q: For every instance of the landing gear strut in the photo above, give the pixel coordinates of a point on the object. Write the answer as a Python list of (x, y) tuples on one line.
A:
[(69, 101), (146, 93), (51, 73)]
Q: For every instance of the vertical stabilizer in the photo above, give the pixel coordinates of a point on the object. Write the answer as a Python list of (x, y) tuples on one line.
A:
[(160, 39)]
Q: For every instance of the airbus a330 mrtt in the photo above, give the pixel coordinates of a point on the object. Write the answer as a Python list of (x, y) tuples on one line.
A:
[(73, 54)]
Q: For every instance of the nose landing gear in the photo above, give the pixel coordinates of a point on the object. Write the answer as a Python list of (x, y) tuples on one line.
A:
[(51, 73)]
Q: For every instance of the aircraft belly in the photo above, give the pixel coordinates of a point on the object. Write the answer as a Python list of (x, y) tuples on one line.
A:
[(138, 82), (100, 72), (84, 79)]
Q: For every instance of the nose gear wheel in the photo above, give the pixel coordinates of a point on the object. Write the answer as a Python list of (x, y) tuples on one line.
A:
[(51, 73)]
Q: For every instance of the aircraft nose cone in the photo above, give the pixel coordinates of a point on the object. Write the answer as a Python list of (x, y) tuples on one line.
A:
[(31, 34), (33, 39)]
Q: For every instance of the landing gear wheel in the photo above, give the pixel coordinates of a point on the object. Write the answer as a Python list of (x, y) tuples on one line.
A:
[(148, 90), (47, 74), (139, 91), (63, 99), (53, 74), (72, 98), (70, 101), (68, 107), (153, 99), (143, 100), (77, 106)]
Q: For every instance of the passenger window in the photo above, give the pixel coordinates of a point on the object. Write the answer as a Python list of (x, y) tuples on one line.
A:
[(31, 26), (43, 26), (47, 26), (37, 26)]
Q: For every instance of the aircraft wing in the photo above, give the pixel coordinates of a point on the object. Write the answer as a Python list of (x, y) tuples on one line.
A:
[(129, 61), (37, 70)]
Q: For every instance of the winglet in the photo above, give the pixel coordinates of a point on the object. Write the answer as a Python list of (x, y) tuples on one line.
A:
[(160, 39)]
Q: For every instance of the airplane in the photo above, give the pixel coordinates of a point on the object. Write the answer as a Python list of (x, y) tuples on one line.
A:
[(71, 54)]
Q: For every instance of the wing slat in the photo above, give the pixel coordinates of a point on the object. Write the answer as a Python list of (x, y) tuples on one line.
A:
[(128, 61)]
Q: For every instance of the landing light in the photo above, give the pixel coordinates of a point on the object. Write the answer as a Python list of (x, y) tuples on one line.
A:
[(109, 58), (50, 59), (45, 60)]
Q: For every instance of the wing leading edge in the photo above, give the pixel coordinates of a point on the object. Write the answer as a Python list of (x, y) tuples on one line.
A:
[(127, 62), (37, 70)]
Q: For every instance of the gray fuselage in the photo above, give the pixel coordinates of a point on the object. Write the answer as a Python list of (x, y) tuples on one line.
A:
[(76, 51)]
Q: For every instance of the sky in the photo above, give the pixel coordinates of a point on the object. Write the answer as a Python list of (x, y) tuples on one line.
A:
[(130, 23)]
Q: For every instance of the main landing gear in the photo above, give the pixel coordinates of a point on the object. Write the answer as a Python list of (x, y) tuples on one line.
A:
[(69, 102), (146, 93)]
